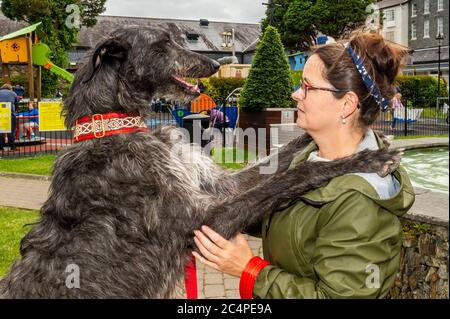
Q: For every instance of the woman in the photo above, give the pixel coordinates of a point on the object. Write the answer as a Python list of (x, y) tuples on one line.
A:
[(396, 103), (342, 240)]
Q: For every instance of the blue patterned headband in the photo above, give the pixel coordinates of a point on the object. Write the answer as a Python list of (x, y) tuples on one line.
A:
[(367, 79)]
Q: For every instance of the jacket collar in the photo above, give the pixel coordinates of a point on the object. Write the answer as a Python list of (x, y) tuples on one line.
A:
[(398, 204)]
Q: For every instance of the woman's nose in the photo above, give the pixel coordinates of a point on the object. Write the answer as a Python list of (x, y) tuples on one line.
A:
[(296, 95)]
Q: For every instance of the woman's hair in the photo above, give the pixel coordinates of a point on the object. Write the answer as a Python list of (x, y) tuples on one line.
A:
[(382, 60)]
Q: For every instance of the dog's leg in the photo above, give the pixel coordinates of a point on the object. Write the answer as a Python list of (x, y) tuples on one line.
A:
[(285, 156), (232, 215)]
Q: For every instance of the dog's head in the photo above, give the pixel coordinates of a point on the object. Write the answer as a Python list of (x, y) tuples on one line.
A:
[(133, 65)]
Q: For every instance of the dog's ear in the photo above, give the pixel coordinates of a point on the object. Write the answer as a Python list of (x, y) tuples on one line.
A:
[(109, 51)]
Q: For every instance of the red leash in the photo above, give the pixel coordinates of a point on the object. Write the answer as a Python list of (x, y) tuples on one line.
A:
[(190, 278)]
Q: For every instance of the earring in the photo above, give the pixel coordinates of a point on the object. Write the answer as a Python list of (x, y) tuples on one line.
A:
[(343, 120)]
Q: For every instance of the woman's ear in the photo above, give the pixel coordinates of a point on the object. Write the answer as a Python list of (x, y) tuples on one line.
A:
[(107, 52), (351, 104)]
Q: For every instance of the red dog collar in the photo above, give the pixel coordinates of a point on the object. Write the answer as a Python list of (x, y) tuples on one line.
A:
[(101, 125)]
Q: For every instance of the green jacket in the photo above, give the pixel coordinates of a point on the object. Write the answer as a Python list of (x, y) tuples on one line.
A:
[(338, 241)]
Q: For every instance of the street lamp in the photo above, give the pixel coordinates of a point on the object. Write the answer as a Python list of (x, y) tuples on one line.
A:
[(271, 7), (439, 37)]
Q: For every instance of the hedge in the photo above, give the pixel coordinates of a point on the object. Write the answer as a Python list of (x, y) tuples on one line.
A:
[(219, 88), (420, 91)]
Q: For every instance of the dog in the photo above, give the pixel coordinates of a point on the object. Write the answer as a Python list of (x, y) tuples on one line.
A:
[(122, 208)]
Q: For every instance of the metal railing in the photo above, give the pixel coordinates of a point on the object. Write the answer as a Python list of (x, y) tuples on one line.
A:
[(414, 121), (26, 139)]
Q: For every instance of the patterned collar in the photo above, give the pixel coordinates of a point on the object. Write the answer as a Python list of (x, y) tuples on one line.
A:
[(101, 125)]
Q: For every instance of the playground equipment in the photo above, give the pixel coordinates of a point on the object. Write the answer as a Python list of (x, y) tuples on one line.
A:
[(204, 104), (23, 47), (411, 116)]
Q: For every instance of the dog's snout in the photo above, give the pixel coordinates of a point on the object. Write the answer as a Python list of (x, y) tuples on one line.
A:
[(215, 65)]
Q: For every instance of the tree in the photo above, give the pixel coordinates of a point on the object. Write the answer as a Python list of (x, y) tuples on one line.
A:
[(299, 21), (299, 26), (268, 83), (61, 20), (277, 10), (338, 17)]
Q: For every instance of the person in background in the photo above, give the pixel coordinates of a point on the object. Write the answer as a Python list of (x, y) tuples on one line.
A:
[(8, 95), (396, 103), (216, 116), (19, 90), (58, 94), (201, 86), (29, 121)]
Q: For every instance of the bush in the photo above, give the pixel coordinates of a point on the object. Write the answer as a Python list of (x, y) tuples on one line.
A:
[(421, 90), (269, 82), (219, 88)]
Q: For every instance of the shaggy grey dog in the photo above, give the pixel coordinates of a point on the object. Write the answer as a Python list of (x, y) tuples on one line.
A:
[(122, 209)]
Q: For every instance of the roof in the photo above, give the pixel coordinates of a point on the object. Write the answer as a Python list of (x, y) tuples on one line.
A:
[(8, 26), (210, 38), (429, 55), (18, 33), (390, 3)]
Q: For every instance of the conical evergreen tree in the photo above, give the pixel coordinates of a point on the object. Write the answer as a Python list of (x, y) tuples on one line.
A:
[(268, 83)]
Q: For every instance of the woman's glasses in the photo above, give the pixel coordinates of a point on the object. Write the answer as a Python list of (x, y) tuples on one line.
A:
[(305, 87)]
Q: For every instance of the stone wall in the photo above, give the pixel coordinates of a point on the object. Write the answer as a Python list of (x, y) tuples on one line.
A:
[(424, 260)]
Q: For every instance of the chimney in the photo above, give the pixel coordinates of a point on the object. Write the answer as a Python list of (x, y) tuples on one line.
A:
[(204, 22)]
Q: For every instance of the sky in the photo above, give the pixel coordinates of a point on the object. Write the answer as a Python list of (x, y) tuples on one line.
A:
[(250, 11)]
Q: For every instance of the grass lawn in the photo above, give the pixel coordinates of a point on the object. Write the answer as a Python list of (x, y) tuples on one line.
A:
[(40, 165), (12, 222), (415, 137), (232, 158)]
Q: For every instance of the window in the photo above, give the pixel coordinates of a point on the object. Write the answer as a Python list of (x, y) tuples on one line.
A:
[(414, 10), (389, 15), (390, 36), (426, 6), (413, 31), (440, 26), (440, 5), (426, 29), (226, 39)]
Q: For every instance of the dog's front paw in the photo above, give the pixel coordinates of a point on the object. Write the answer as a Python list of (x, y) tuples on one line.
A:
[(384, 161)]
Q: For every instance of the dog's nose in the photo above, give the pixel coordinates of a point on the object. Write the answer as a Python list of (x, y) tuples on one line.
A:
[(215, 65)]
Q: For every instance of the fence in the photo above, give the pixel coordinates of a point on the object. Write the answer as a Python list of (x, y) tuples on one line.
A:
[(29, 141), (26, 139), (414, 121)]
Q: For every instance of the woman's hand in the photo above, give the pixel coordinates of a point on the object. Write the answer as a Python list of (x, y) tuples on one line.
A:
[(228, 256)]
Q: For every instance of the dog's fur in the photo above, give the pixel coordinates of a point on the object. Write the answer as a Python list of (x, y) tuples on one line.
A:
[(123, 208)]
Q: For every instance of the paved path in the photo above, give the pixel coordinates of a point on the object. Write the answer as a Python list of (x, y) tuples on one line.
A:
[(31, 193)]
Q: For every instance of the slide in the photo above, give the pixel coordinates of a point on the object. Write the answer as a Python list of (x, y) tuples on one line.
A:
[(41, 54)]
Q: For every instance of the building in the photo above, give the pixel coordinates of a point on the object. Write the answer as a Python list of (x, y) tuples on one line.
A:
[(426, 20), (214, 39), (395, 20)]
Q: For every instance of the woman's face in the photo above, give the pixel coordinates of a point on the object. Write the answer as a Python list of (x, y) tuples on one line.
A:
[(319, 110)]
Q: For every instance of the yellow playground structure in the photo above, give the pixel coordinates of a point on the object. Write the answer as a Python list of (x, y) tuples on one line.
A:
[(23, 47)]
